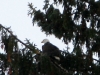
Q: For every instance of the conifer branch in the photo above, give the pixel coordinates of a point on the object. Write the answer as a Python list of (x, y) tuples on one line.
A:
[(59, 66), (16, 37)]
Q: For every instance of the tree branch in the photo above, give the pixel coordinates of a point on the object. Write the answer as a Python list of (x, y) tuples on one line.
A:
[(16, 37), (59, 66), (96, 60)]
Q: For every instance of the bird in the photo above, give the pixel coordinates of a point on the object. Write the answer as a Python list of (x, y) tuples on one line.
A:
[(51, 50)]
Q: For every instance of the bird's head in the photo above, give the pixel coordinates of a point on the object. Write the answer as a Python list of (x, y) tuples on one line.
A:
[(45, 41)]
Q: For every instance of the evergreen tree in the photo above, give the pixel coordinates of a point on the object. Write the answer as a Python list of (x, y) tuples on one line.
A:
[(79, 22)]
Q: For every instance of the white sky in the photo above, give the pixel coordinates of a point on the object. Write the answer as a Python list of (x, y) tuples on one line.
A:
[(14, 13)]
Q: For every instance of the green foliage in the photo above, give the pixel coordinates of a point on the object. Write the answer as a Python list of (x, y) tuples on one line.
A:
[(20, 61), (63, 25), (79, 22)]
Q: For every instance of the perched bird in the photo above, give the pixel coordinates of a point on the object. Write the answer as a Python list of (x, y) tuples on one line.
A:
[(50, 50)]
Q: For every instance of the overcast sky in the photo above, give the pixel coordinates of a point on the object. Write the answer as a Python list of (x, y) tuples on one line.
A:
[(14, 13)]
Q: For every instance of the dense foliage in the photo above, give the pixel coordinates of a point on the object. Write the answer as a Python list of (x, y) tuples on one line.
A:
[(78, 21)]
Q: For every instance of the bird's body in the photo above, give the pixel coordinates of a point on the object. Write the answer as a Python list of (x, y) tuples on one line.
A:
[(50, 50)]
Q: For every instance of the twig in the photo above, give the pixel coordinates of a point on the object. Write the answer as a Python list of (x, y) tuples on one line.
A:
[(59, 66), (16, 37), (96, 60)]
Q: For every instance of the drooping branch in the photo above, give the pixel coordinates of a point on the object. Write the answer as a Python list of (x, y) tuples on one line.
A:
[(18, 39)]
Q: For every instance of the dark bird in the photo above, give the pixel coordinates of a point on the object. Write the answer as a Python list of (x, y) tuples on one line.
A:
[(50, 50)]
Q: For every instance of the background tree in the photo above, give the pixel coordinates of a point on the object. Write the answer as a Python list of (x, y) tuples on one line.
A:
[(79, 22)]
